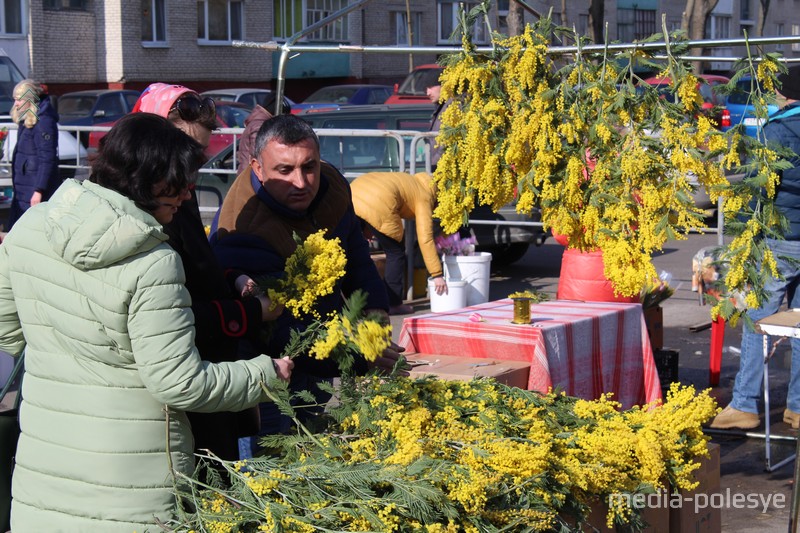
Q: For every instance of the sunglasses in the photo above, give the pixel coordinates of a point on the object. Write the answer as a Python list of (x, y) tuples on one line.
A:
[(191, 108)]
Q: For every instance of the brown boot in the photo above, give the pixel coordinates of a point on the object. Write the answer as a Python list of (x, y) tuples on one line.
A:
[(792, 418), (731, 418)]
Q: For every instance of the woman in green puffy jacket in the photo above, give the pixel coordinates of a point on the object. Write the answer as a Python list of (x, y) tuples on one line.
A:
[(93, 293)]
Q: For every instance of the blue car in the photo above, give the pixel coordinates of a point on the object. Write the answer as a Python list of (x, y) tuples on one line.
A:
[(334, 96), (742, 110)]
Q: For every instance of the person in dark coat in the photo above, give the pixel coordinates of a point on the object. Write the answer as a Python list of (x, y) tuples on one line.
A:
[(224, 311), (35, 175)]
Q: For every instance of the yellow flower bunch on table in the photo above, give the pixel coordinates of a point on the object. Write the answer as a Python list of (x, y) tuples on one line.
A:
[(611, 162), (311, 271), (410, 455)]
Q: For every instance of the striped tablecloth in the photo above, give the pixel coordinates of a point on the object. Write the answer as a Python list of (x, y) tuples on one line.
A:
[(585, 348)]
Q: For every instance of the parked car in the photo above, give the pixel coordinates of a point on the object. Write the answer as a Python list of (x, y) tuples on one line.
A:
[(10, 76), (414, 88), (93, 107), (86, 108), (334, 96), (713, 100), (246, 96), (742, 111), (229, 115), (354, 155)]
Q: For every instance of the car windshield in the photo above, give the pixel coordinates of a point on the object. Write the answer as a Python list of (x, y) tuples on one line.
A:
[(417, 82), (740, 95), (225, 97), (233, 117), (76, 105), (338, 95)]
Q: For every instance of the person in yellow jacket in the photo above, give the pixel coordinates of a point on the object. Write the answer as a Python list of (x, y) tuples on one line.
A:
[(383, 200)]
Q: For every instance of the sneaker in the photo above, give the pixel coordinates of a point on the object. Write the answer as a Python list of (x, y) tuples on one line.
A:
[(792, 418), (401, 309), (731, 418)]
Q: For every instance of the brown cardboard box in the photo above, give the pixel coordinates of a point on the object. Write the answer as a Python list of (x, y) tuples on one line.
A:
[(654, 320), (708, 517), (657, 519), (448, 367)]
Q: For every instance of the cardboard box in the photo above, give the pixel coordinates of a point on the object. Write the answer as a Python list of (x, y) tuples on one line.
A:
[(699, 515), (654, 320), (657, 519), (452, 368)]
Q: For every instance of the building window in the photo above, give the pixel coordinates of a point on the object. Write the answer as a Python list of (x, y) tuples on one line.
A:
[(290, 18), (779, 33), (317, 10), (583, 28), (81, 5), (401, 28), (795, 33), (635, 24), (219, 20), (744, 10), (718, 27), (154, 21), (11, 17), (448, 23)]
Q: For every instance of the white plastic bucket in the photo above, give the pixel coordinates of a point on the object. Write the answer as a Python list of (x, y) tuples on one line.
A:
[(475, 270), (455, 298)]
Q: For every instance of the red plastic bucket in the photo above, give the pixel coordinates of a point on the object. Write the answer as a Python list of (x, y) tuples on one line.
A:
[(582, 278)]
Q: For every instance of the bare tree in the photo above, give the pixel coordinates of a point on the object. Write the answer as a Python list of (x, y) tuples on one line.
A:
[(597, 10), (515, 18), (762, 17), (693, 22)]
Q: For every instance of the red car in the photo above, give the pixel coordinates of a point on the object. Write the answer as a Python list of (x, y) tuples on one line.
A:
[(414, 89), (229, 115), (713, 100)]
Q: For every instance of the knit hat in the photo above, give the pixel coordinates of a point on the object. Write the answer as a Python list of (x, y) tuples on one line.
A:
[(159, 98), (790, 83)]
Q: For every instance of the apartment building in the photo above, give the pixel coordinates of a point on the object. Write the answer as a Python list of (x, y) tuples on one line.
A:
[(75, 44)]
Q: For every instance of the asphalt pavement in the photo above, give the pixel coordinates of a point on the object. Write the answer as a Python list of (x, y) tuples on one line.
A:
[(687, 329)]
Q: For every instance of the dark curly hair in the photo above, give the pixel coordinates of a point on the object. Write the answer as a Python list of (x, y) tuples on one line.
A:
[(141, 151)]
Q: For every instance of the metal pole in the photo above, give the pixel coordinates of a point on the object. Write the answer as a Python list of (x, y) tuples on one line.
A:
[(286, 47), (336, 48)]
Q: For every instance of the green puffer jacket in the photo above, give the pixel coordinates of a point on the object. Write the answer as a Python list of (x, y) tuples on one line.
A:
[(91, 290)]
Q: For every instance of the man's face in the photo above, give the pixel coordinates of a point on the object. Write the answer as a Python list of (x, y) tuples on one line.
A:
[(434, 92), (290, 174)]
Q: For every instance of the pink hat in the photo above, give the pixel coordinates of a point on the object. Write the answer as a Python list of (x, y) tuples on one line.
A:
[(159, 98)]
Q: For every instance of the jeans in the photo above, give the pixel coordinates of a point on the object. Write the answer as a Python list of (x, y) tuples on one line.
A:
[(396, 264), (749, 380)]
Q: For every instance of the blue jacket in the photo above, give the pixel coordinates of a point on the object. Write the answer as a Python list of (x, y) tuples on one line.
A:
[(784, 128), (254, 234), (35, 160)]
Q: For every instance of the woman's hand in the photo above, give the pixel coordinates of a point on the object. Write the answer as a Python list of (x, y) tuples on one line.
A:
[(36, 198), (283, 367), (268, 311), (440, 285), (245, 286), (388, 359)]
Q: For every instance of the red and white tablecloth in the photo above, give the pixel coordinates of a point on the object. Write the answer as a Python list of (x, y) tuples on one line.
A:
[(585, 348)]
